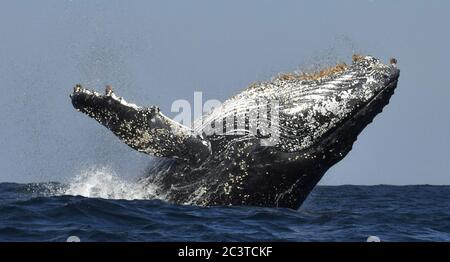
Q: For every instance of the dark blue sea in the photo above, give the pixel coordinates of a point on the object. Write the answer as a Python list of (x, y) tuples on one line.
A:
[(34, 212)]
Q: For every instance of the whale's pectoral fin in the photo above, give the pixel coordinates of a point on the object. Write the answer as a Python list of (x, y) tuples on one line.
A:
[(162, 136), (144, 129)]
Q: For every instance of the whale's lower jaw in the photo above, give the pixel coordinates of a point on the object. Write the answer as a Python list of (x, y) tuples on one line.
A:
[(263, 176)]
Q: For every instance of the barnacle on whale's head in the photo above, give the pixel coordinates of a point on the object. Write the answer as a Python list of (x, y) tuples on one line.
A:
[(314, 75)]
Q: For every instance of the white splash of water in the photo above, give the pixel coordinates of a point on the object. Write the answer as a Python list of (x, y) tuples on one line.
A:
[(103, 182)]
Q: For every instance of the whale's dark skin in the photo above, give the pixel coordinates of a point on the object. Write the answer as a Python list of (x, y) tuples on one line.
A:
[(319, 120)]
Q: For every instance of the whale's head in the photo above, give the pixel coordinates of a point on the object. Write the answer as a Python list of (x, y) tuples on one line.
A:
[(334, 109)]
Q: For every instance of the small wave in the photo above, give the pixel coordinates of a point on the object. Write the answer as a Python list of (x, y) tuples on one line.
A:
[(103, 182)]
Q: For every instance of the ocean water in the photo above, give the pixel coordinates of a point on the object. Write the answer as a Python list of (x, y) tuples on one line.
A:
[(100, 206)]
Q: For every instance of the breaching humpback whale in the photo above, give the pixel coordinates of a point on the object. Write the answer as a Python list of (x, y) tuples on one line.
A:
[(267, 146)]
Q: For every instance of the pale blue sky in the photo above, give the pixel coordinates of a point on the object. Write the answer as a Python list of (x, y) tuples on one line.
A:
[(154, 52)]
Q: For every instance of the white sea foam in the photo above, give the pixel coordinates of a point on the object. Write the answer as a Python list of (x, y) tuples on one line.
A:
[(103, 182)]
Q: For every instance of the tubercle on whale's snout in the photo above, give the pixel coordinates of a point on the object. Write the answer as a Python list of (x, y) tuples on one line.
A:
[(79, 89), (79, 97)]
